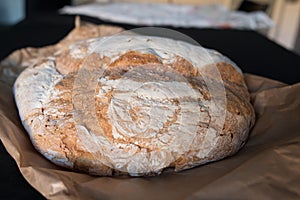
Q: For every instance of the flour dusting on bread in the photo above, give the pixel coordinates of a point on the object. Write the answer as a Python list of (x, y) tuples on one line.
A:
[(134, 105)]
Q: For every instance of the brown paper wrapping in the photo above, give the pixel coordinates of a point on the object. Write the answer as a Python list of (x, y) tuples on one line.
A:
[(268, 167)]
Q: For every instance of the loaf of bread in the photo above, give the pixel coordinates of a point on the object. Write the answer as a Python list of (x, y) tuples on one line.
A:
[(134, 105)]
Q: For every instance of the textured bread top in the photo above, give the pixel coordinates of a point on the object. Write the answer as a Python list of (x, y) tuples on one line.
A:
[(134, 104)]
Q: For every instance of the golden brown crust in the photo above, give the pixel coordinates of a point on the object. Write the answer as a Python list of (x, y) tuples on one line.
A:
[(134, 59), (184, 67), (67, 64)]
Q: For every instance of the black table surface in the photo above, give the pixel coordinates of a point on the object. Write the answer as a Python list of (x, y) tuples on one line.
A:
[(252, 52)]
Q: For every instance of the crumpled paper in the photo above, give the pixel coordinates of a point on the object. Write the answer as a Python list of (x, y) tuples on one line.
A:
[(266, 168)]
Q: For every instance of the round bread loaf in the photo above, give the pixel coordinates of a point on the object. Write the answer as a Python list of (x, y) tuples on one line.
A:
[(134, 105)]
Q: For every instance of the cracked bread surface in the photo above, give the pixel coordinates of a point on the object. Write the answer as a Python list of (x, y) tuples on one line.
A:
[(135, 110)]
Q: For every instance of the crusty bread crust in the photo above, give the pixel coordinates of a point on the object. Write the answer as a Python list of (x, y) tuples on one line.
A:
[(144, 112)]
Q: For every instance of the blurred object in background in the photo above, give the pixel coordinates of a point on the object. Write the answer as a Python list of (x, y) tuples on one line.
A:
[(11, 11), (191, 2), (176, 15), (286, 15), (226, 3)]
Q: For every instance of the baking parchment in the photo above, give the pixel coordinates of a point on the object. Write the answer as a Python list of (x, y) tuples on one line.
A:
[(268, 167)]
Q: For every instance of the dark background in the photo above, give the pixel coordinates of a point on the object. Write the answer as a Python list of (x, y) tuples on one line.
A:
[(253, 53)]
